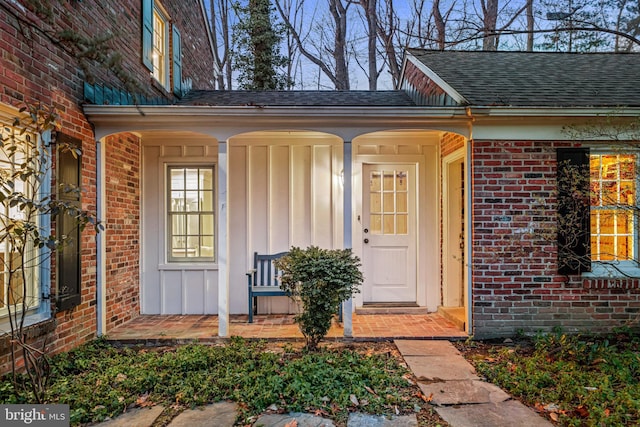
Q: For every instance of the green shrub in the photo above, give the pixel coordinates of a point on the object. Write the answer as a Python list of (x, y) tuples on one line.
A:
[(321, 279)]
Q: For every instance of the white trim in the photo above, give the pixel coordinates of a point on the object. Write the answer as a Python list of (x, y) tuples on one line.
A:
[(101, 250), (223, 240), (347, 200)]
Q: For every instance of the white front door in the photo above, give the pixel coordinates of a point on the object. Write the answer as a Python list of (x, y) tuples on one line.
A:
[(389, 233)]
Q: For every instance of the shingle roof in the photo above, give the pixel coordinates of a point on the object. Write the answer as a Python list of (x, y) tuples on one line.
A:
[(389, 98), (538, 79)]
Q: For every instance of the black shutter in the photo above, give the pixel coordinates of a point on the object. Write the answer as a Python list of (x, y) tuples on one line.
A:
[(574, 211), (68, 266)]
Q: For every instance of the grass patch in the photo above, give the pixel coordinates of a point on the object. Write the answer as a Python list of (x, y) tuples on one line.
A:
[(574, 380), (98, 381)]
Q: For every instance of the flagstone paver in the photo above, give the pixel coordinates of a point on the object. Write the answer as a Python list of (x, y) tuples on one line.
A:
[(287, 420), (139, 417), (357, 419), (467, 392), (464, 400), (221, 414), (505, 414)]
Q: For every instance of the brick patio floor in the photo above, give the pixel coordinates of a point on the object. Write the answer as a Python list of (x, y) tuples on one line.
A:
[(205, 328)]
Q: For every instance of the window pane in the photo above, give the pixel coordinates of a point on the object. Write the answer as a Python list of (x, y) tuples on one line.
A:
[(388, 181), (389, 205), (401, 181), (206, 201), (401, 224), (375, 182), (206, 176), (389, 224), (376, 224), (401, 202), (376, 203)]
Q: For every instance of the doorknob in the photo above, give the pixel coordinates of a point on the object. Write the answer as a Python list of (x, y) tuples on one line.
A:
[(366, 241)]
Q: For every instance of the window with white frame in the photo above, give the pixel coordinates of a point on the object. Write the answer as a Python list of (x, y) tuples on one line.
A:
[(159, 54), (614, 227), (18, 262), (190, 213)]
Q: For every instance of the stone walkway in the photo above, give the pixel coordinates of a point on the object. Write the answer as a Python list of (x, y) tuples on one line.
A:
[(460, 397)]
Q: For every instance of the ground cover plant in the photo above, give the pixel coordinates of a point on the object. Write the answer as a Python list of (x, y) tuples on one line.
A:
[(574, 380), (98, 380)]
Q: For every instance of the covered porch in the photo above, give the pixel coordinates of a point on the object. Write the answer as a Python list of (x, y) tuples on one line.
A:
[(159, 329), (373, 177)]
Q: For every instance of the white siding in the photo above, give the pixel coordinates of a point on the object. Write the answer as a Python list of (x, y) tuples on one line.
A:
[(171, 288)]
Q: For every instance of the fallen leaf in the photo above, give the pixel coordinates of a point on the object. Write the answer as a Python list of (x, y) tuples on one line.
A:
[(582, 412), (370, 390), (554, 416), (121, 377), (354, 400), (293, 423)]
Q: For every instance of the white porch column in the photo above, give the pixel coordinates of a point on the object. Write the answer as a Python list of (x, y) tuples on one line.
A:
[(101, 250), (223, 240), (347, 311)]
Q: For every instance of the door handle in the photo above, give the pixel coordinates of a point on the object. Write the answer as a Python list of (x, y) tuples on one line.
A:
[(366, 241)]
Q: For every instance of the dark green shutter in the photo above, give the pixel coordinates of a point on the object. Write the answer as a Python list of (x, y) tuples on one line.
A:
[(68, 271), (147, 33), (574, 211), (177, 62)]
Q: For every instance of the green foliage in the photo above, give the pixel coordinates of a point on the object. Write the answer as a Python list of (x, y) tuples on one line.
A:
[(256, 53), (99, 381), (577, 380), (321, 279)]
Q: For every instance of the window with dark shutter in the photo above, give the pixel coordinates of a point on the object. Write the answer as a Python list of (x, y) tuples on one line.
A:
[(574, 234), (68, 259)]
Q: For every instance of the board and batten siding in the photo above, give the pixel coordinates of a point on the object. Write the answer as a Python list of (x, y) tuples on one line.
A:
[(284, 191), (172, 288)]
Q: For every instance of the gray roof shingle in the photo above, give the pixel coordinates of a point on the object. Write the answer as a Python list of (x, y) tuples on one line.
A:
[(538, 79), (298, 98)]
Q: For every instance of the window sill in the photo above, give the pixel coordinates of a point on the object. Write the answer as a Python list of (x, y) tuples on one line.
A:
[(608, 277), (35, 325), (608, 271)]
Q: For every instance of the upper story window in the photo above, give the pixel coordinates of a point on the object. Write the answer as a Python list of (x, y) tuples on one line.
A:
[(159, 54), (161, 46)]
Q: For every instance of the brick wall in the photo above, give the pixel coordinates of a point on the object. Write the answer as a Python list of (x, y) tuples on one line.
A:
[(515, 282), (36, 66), (122, 228)]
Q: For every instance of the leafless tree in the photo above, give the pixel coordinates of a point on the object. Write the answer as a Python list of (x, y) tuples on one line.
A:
[(328, 34), (221, 32)]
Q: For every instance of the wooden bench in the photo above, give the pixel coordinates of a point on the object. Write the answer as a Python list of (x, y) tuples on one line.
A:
[(263, 280)]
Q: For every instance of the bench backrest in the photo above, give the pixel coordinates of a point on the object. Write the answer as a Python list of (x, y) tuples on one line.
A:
[(265, 272)]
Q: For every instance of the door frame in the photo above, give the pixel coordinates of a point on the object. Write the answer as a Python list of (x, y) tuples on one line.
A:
[(447, 245), (462, 154), (427, 219)]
